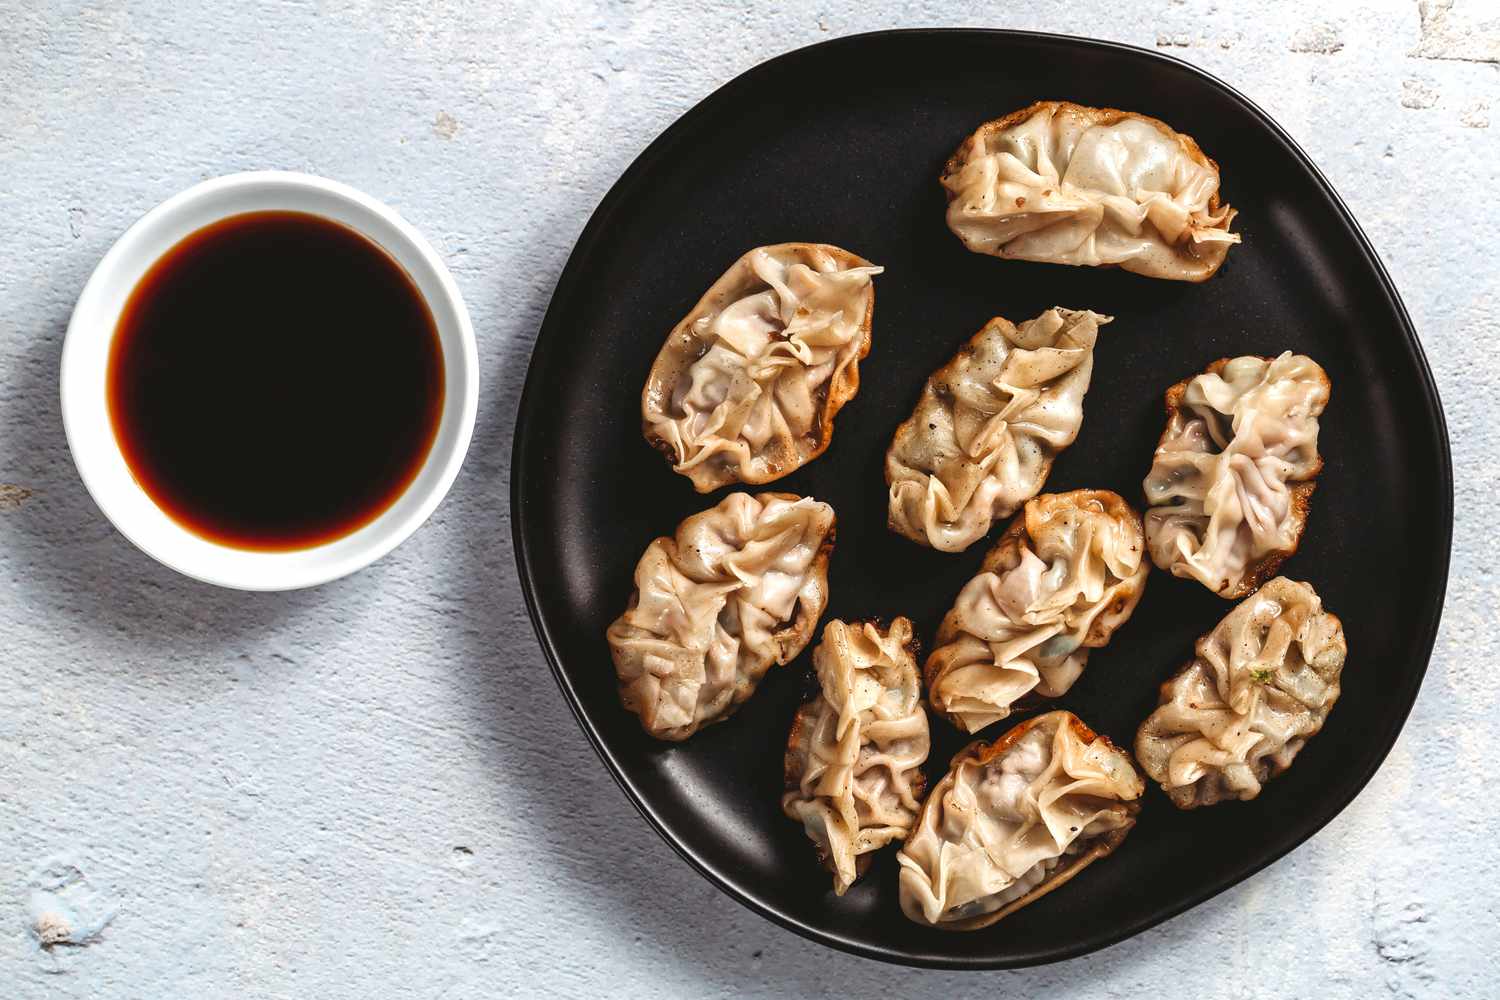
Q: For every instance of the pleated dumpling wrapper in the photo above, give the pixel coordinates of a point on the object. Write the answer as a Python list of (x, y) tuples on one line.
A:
[(1066, 573), (1067, 184), (1261, 686), (739, 587), (1015, 819), (1229, 487), (854, 758), (989, 425), (746, 387)]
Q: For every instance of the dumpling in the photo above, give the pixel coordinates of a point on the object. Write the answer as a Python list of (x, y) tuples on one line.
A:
[(740, 586), (989, 424), (1015, 819), (1065, 575), (746, 387), (854, 759), (1067, 184), (1261, 685), (1229, 487)]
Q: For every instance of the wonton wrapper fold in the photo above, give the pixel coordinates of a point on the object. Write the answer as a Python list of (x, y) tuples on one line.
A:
[(739, 587), (1068, 184), (1229, 486), (1261, 686), (746, 387), (1065, 575), (1015, 819), (989, 425), (854, 758)]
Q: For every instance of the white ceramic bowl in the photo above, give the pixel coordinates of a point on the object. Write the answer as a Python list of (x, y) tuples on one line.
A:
[(85, 359)]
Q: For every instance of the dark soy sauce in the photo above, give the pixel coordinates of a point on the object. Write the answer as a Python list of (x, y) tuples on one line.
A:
[(275, 381)]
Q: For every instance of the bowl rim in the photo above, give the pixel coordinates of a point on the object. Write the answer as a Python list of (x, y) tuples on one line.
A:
[(94, 321), (569, 282)]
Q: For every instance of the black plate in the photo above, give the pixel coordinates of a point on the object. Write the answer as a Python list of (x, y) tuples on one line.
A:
[(842, 143)]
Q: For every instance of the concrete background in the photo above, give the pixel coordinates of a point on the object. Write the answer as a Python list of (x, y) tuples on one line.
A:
[(374, 789)]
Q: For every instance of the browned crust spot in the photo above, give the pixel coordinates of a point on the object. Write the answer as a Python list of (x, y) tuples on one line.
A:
[(982, 753), (937, 386), (796, 742), (792, 769), (790, 639), (1182, 796), (840, 389), (1102, 846), (806, 718), (1186, 796), (1099, 116), (1006, 555), (1267, 566)]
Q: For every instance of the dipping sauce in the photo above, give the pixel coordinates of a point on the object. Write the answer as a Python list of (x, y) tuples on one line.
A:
[(275, 381)]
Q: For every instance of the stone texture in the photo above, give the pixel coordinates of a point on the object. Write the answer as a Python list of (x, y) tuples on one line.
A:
[(374, 789)]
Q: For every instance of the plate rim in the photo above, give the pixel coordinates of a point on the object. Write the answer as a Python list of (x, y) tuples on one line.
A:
[(548, 338)]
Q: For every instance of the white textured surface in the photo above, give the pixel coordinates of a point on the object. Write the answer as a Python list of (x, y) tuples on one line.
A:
[(374, 789)]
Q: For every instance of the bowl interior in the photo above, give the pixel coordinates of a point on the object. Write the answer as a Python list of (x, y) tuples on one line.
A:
[(86, 355)]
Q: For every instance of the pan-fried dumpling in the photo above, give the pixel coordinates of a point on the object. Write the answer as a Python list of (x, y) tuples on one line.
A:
[(1063, 577), (746, 387), (1067, 184), (989, 424), (1229, 487), (740, 586), (854, 759), (1261, 685), (1015, 819)]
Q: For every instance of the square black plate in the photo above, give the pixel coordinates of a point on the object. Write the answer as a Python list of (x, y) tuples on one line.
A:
[(842, 143)]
